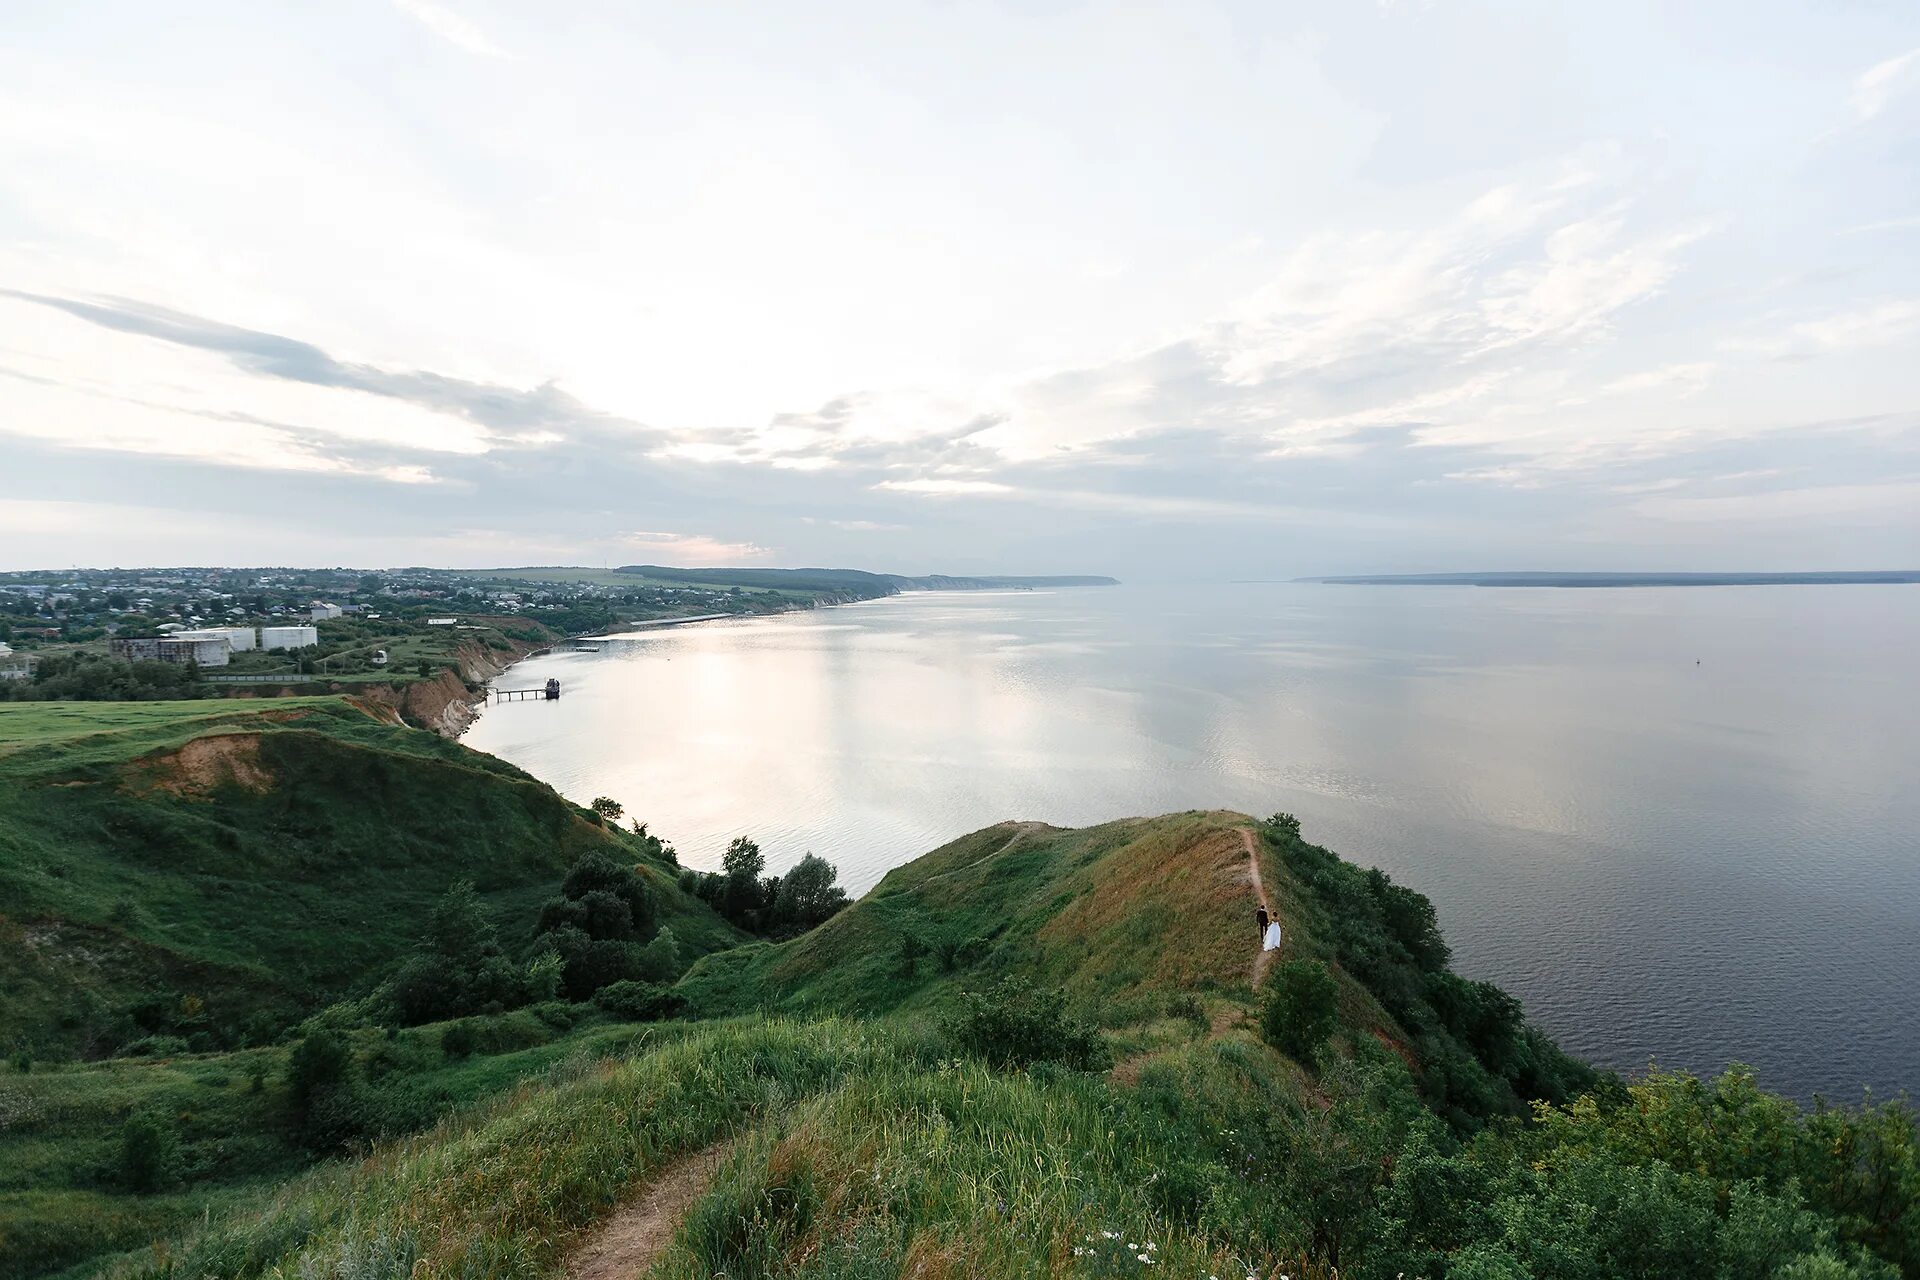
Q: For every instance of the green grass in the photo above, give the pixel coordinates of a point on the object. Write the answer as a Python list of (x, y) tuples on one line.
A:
[(864, 1144), (260, 859), (855, 1147), (1091, 910), (24, 724), (62, 1198)]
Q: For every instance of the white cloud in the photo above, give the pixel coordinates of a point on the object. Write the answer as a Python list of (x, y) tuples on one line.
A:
[(1877, 86), (945, 487), (1685, 379), (451, 27), (690, 549), (1875, 325)]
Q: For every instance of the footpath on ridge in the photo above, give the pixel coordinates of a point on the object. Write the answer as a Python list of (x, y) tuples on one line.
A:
[(629, 1242)]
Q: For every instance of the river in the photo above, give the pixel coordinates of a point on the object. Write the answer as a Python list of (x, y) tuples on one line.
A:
[(1681, 824)]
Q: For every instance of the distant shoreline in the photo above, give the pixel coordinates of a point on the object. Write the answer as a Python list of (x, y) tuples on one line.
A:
[(1868, 577)]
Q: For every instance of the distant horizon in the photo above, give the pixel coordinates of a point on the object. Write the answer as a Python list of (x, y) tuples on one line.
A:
[(1381, 575)]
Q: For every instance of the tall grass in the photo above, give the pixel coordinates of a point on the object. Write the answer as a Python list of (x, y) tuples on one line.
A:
[(497, 1190)]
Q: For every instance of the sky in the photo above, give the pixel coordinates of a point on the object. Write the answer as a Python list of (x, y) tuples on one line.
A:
[(1157, 290)]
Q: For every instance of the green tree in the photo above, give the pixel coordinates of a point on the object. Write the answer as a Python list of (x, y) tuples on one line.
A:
[(743, 860), (321, 1063), (607, 809), (149, 1151), (808, 895), (1300, 1008), (741, 893)]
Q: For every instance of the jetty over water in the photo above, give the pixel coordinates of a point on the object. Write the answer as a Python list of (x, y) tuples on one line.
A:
[(549, 692)]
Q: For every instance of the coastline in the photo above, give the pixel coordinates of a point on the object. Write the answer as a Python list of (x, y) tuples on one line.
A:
[(476, 702)]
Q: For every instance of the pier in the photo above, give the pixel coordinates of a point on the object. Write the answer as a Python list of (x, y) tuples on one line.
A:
[(549, 692)]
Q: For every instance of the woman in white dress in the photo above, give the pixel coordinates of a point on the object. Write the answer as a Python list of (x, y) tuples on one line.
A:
[(1269, 929)]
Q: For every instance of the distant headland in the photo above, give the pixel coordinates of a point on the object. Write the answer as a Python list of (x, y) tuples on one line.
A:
[(1551, 579)]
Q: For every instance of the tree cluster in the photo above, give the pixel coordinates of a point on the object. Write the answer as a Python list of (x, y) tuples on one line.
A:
[(603, 927), (771, 906), (90, 677), (1480, 1057), (460, 968)]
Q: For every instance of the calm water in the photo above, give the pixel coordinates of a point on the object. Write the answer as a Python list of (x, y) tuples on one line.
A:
[(1680, 824)]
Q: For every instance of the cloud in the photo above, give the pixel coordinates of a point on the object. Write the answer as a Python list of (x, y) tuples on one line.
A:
[(940, 486), (1680, 379), (1874, 325), (1877, 86), (689, 549), (856, 526), (511, 414), (451, 27)]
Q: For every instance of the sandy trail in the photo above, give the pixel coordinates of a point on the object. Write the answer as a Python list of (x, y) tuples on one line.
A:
[(626, 1244), (1261, 959)]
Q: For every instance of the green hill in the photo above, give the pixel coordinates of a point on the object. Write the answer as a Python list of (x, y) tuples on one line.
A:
[(1032, 1052), (200, 868)]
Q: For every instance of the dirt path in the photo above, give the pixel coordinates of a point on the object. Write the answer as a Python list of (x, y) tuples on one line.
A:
[(1261, 958), (626, 1244), (1225, 1016), (1021, 829)]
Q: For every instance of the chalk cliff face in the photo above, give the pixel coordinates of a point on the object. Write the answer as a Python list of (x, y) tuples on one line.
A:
[(442, 704), (446, 703)]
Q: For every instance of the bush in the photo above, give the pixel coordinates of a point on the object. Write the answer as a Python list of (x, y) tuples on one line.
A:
[(156, 1047), (1299, 1012), (459, 1039), (639, 1001), (149, 1152), (557, 1014), (1186, 1006), (1016, 1024), (319, 1064)]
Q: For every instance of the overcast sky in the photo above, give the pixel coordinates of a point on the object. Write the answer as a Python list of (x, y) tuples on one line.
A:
[(1235, 290)]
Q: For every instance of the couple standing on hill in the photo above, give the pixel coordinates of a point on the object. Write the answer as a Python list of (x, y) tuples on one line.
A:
[(1269, 929)]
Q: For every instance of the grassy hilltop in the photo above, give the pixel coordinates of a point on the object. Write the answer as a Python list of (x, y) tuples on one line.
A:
[(1032, 1052), (250, 861)]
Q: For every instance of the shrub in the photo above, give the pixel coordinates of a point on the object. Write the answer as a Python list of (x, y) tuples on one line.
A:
[(459, 1039), (659, 960), (557, 1014), (595, 872), (149, 1152), (1299, 1012), (156, 1047), (1016, 1024), (1186, 1006), (973, 951), (319, 1064), (639, 1001), (907, 956)]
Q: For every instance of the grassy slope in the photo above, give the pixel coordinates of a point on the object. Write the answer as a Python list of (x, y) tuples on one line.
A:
[(856, 1150), (61, 1201), (1120, 914), (858, 1147), (269, 857)]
